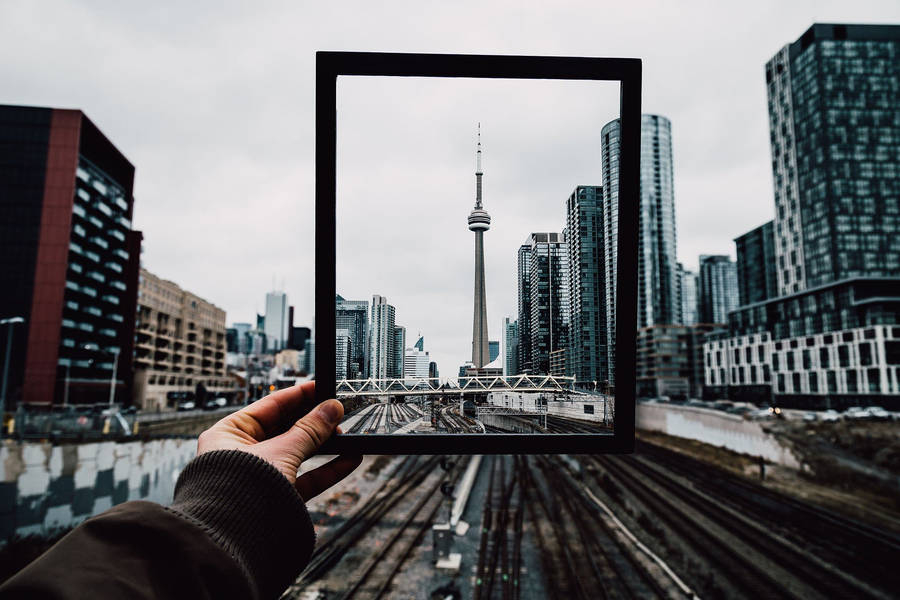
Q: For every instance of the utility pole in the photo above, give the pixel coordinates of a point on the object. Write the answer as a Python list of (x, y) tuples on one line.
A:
[(112, 380)]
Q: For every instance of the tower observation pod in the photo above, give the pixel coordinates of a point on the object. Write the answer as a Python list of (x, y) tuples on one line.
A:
[(479, 222)]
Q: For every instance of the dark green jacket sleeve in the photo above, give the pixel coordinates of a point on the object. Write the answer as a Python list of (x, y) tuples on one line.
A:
[(237, 529)]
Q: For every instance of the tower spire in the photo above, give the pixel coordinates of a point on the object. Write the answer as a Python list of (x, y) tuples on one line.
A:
[(478, 171)]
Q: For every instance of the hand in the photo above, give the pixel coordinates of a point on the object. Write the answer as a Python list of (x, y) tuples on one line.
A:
[(271, 428)]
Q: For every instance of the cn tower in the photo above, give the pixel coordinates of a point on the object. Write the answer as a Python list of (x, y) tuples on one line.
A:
[(479, 222)]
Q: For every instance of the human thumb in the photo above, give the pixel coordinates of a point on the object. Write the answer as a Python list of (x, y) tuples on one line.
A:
[(310, 432)]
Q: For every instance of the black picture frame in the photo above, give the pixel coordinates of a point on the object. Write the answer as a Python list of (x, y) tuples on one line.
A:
[(330, 65)]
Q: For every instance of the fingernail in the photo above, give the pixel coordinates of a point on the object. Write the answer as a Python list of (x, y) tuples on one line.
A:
[(330, 411)]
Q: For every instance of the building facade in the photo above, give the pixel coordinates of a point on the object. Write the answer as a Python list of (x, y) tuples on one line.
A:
[(718, 288), (179, 348), (586, 358), (689, 296), (543, 291), (343, 353), (756, 271), (416, 363), (830, 336), (510, 346), (658, 283), (353, 315), (381, 339), (397, 356), (69, 259), (276, 320)]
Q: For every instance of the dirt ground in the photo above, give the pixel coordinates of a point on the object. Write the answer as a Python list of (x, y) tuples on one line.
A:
[(839, 469)]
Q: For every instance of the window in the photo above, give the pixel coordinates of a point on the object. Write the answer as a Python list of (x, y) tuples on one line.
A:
[(851, 381), (831, 376), (844, 355), (874, 377), (865, 354), (796, 382), (813, 382)]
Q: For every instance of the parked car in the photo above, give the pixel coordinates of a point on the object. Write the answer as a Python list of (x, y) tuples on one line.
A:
[(830, 415), (857, 413), (878, 413), (810, 417), (186, 405), (215, 403)]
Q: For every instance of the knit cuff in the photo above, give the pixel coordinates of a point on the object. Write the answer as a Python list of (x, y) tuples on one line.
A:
[(250, 510)]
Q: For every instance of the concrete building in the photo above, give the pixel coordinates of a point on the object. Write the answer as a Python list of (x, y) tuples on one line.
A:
[(670, 360), (287, 361), (756, 270), (180, 346), (479, 222), (381, 339), (543, 300), (353, 315), (586, 358), (510, 346), (69, 259), (276, 320), (416, 363), (718, 288), (830, 337), (657, 271)]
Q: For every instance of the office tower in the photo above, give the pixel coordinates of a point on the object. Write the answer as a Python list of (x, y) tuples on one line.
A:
[(237, 339), (756, 271), (657, 270), (494, 350), (353, 315), (276, 320), (718, 288), (510, 346), (543, 293), (523, 344), (381, 339), (416, 363), (343, 352), (479, 222), (180, 344), (69, 259), (396, 360), (586, 357), (833, 104), (420, 343), (433, 372), (688, 296), (298, 336), (830, 337)]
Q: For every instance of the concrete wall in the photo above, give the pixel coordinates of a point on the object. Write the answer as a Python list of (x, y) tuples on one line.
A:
[(46, 487), (584, 410), (715, 428)]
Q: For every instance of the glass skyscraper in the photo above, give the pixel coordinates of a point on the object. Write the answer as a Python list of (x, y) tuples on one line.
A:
[(757, 280), (718, 288), (586, 357), (543, 300), (657, 267), (353, 315), (382, 339)]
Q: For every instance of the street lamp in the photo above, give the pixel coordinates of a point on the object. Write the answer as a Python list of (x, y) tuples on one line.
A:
[(8, 321), (112, 380)]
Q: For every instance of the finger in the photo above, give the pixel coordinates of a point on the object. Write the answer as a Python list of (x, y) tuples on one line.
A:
[(274, 413), (310, 432), (312, 483)]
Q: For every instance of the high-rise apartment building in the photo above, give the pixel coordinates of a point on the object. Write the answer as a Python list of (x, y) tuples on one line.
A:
[(69, 259), (586, 358), (397, 356), (343, 351), (688, 296), (756, 270), (276, 321), (416, 362), (833, 104), (381, 339), (353, 315), (179, 347), (510, 346), (544, 293), (831, 337), (718, 288), (657, 266)]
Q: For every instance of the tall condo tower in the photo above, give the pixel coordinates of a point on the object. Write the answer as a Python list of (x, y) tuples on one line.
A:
[(479, 222)]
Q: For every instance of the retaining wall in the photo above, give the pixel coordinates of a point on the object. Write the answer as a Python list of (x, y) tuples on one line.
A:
[(46, 487), (715, 428)]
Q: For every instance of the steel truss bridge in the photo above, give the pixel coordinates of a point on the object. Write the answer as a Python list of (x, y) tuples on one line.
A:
[(428, 386)]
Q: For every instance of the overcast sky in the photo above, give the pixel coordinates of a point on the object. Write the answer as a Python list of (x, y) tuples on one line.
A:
[(213, 103)]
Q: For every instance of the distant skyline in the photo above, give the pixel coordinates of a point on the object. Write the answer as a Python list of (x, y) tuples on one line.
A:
[(214, 105)]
